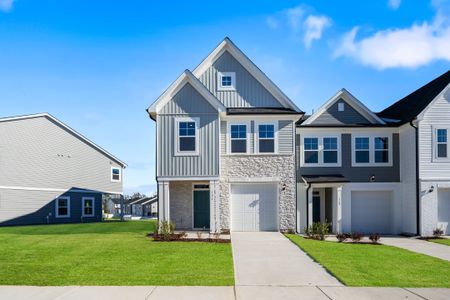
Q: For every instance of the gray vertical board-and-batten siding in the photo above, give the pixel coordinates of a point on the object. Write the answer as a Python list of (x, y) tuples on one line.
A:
[(37, 152), (188, 103), (249, 91), (354, 174), (332, 116)]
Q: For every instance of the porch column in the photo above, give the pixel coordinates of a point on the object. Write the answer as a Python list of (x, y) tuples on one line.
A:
[(310, 206), (163, 201), (214, 224), (339, 209)]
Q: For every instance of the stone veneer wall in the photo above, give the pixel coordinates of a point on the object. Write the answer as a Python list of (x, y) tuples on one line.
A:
[(247, 167)]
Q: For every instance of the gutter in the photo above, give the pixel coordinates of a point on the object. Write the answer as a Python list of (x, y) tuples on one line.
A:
[(416, 129)]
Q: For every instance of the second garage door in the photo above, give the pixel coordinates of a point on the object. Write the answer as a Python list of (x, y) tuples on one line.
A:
[(254, 207), (444, 210), (371, 212)]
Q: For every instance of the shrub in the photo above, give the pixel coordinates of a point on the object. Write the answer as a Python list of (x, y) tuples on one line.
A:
[(374, 237), (341, 237), (356, 237), (290, 231), (166, 229), (438, 232), (317, 231)]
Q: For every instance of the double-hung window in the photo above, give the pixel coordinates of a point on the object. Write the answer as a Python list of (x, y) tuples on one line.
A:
[(441, 143), (266, 138), (381, 150), (330, 150), (362, 150), (115, 174), (62, 209), (311, 153), (372, 150), (238, 138), (187, 136), (87, 206)]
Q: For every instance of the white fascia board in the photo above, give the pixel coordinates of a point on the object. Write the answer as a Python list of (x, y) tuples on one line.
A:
[(228, 45), (441, 94), (68, 128), (175, 87), (353, 102)]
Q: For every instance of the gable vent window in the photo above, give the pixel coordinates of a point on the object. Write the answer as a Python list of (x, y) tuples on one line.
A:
[(341, 106), (226, 81), (441, 143)]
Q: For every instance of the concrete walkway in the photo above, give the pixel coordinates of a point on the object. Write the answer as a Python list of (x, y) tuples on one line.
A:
[(419, 246), (219, 293), (270, 259)]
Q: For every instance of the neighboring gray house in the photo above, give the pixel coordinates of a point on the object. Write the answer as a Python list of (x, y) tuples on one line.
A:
[(225, 147), (358, 170), (146, 207), (49, 173)]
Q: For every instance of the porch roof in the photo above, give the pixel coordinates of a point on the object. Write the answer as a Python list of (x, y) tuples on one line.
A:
[(337, 178)]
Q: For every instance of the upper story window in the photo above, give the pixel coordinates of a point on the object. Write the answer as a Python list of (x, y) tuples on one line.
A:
[(226, 81), (116, 174), (238, 138), (266, 138), (441, 143), (62, 209), (186, 136), (321, 151), (87, 209), (372, 150)]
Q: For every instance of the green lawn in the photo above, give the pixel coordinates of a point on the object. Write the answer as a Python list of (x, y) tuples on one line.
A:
[(440, 241), (108, 253), (376, 265)]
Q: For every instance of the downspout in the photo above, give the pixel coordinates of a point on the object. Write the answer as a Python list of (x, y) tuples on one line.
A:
[(156, 167), (416, 129)]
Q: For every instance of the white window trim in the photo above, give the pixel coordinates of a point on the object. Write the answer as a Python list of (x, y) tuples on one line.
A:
[(275, 137), (57, 215), (177, 137), (226, 88), (120, 174), (372, 137), (435, 145), (83, 200), (321, 151), (247, 136)]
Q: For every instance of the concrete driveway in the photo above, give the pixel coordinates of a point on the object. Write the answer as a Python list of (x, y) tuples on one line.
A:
[(270, 259), (419, 246)]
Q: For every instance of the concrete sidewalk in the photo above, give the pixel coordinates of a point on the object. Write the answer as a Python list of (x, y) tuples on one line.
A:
[(206, 293), (270, 259), (419, 246)]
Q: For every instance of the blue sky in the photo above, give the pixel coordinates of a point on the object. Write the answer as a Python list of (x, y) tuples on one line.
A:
[(97, 65)]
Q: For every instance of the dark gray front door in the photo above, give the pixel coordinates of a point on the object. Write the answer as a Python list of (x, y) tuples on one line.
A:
[(316, 207), (201, 209)]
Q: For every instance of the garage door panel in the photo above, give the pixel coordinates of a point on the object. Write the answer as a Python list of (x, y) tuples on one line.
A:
[(253, 207), (444, 210), (371, 211)]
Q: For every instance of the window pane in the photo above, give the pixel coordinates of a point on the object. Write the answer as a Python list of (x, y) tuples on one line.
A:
[(442, 150), (62, 211), (311, 144), (62, 202), (238, 131), (311, 157), (187, 128), (238, 146), (361, 143), (226, 80), (381, 156), (442, 135), (330, 157), (362, 156), (116, 171), (330, 143), (266, 131), (381, 143), (187, 143), (266, 146), (116, 177), (87, 203)]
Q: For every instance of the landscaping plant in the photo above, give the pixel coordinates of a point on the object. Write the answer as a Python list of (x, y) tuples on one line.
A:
[(374, 237), (318, 231), (438, 232), (356, 237), (166, 230), (341, 237)]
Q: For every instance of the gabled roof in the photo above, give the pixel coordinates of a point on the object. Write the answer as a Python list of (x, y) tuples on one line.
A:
[(261, 111), (69, 129), (352, 101), (228, 45), (174, 88), (408, 108)]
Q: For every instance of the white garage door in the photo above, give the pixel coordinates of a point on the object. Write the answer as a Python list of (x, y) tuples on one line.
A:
[(372, 212), (254, 207), (444, 210)]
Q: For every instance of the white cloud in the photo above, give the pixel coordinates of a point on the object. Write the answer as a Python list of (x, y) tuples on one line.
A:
[(394, 4), (295, 16), (410, 47), (6, 5), (314, 26)]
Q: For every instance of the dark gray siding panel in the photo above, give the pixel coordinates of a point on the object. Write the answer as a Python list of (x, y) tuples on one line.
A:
[(285, 137), (354, 174), (332, 116), (188, 100), (249, 92), (21, 207)]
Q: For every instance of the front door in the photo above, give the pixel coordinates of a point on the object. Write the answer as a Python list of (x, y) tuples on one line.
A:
[(201, 209), (316, 207)]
